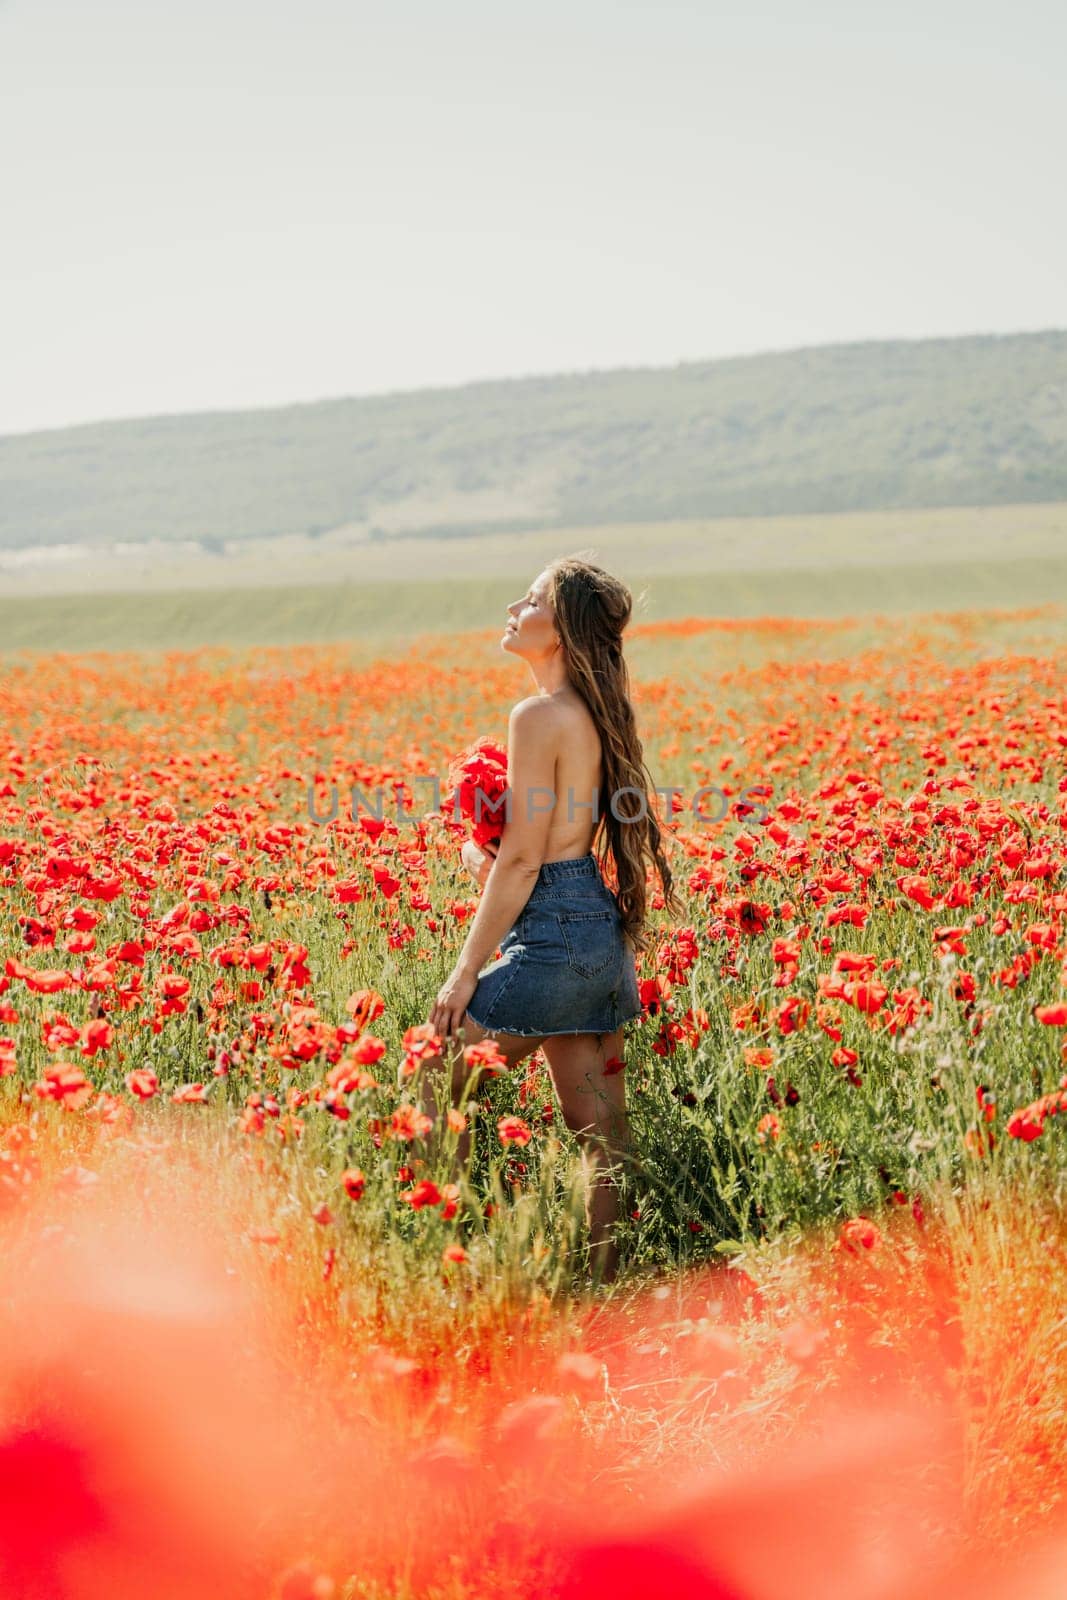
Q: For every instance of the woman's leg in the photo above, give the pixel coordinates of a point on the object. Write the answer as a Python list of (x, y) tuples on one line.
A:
[(441, 1079), (594, 1108)]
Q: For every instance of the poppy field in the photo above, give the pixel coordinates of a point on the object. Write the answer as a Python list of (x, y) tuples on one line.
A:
[(258, 1342)]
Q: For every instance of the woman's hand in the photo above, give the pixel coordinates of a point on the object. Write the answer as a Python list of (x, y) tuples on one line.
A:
[(489, 854), (478, 862), (470, 855), (450, 1007)]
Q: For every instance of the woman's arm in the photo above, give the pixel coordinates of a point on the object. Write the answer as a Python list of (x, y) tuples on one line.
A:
[(531, 799)]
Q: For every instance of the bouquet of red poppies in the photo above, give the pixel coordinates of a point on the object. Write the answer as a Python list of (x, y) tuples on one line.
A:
[(479, 781)]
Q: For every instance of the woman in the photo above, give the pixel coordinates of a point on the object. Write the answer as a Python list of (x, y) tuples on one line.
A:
[(565, 979)]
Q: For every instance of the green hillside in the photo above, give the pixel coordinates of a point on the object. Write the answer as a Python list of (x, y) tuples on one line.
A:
[(971, 421)]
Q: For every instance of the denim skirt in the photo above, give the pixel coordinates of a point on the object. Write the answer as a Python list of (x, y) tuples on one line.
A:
[(564, 967)]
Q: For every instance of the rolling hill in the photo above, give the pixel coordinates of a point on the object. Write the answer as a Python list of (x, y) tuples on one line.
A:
[(935, 422)]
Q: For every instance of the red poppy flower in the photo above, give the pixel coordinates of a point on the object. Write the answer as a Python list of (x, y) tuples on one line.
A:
[(65, 1083), (408, 1123), (353, 1182), (95, 1036), (424, 1193), (858, 1233), (190, 1094), (478, 789)]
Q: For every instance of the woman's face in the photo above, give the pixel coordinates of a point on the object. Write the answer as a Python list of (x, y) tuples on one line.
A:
[(531, 630)]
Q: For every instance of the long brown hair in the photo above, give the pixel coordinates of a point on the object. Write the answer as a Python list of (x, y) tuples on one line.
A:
[(591, 610)]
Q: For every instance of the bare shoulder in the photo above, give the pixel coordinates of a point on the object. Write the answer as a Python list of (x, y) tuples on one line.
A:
[(537, 714), (550, 710), (537, 727)]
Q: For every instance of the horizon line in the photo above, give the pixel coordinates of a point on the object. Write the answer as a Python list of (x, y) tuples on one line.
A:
[(557, 375)]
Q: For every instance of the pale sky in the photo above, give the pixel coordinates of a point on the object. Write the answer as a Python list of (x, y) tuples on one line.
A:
[(208, 204)]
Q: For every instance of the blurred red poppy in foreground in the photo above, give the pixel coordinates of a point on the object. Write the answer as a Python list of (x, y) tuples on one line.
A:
[(155, 1441)]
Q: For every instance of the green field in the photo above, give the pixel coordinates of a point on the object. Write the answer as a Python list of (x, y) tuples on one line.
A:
[(862, 564), (380, 612), (949, 535)]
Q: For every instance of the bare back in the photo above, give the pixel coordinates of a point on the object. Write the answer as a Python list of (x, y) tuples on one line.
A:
[(579, 776)]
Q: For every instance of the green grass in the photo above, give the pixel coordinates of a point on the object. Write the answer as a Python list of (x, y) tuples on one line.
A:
[(383, 614)]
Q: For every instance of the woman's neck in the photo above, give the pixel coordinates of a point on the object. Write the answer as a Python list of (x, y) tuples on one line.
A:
[(550, 676)]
